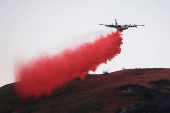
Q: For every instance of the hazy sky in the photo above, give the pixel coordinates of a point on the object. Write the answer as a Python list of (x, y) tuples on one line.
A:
[(30, 28)]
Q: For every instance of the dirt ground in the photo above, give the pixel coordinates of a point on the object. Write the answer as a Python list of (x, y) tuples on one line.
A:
[(126, 91)]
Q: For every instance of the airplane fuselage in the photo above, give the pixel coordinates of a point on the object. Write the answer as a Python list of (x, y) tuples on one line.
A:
[(121, 27)]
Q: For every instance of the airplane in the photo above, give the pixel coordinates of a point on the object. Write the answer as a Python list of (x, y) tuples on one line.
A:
[(121, 27)]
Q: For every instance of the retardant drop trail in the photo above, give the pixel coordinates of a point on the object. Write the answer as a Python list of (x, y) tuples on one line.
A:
[(45, 74)]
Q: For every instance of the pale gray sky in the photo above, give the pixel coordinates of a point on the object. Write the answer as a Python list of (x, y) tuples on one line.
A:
[(30, 28)]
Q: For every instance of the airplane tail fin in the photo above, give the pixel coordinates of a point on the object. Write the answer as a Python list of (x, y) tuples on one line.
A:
[(115, 22)]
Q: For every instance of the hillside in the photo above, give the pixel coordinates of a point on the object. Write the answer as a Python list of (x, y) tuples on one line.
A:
[(125, 91)]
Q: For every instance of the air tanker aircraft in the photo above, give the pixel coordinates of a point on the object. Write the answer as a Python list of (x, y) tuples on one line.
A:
[(121, 27)]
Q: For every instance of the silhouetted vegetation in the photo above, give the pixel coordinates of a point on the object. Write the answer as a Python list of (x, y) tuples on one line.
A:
[(141, 92), (160, 84), (118, 110)]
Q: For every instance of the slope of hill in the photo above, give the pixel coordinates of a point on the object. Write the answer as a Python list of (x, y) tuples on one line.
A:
[(125, 91)]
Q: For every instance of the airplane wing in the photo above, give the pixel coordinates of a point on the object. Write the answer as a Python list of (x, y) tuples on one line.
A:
[(108, 25), (135, 25), (140, 25), (102, 24), (132, 26)]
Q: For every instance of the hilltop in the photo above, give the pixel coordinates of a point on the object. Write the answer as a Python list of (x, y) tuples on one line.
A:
[(126, 91)]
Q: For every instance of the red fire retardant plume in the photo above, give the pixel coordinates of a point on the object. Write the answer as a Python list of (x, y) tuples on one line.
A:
[(45, 74)]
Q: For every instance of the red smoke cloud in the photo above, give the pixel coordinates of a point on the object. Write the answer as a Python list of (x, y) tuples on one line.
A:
[(47, 73)]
